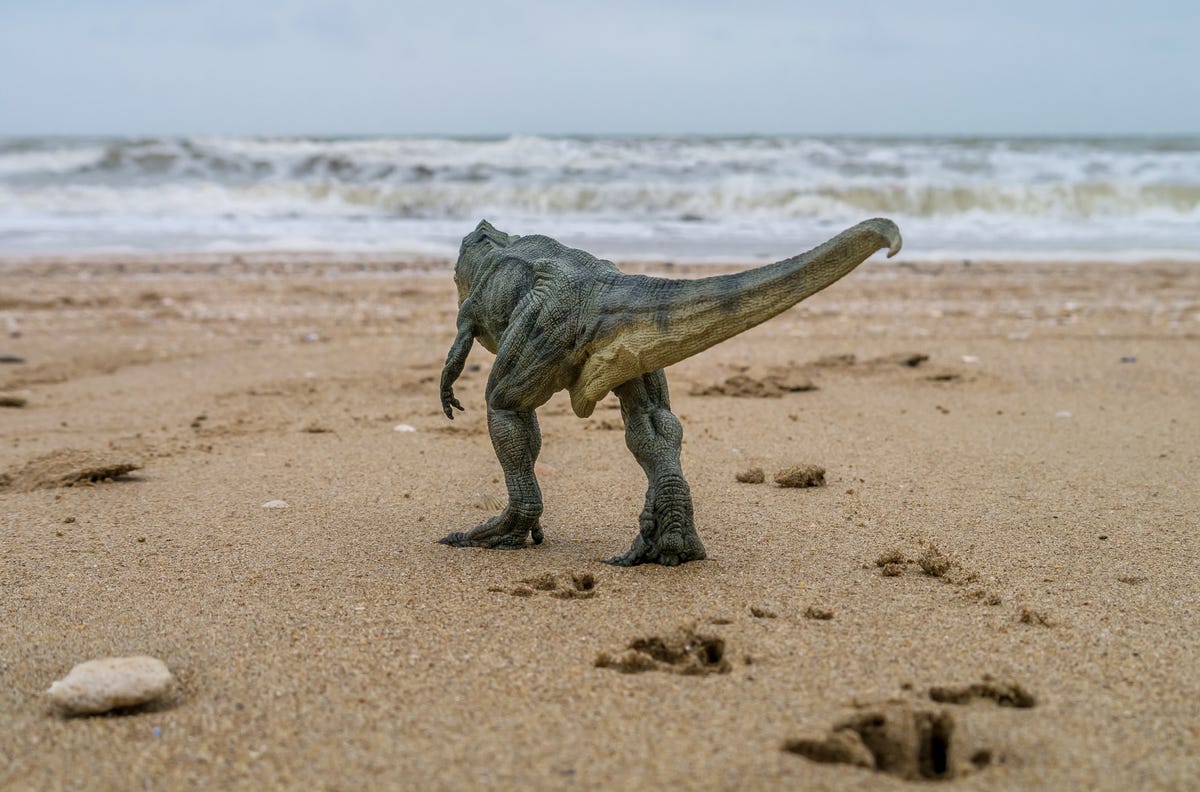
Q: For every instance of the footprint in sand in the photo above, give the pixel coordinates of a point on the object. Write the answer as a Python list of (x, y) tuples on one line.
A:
[(66, 468), (568, 585), (935, 563), (683, 652), (911, 740)]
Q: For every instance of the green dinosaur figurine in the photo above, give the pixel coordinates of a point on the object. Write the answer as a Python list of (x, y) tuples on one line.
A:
[(560, 319)]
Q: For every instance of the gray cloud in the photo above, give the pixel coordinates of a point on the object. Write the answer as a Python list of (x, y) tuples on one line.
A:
[(195, 67)]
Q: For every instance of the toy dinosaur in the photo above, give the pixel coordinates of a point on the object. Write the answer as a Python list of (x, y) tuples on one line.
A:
[(560, 319)]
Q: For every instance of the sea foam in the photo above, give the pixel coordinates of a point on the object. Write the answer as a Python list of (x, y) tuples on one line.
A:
[(687, 198)]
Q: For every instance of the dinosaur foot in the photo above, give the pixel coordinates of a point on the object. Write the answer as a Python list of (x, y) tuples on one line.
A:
[(666, 530), (668, 551), (668, 538), (506, 531)]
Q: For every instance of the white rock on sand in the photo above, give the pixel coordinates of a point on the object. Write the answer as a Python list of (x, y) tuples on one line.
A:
[(109, 683)]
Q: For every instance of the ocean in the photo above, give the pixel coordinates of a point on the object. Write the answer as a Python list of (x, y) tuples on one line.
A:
[(687, 198)]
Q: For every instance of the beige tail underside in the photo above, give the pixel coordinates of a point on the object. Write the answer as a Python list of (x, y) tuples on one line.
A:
[(695, 315)]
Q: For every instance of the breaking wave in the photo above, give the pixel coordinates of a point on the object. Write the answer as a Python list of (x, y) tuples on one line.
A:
[(690, 197)]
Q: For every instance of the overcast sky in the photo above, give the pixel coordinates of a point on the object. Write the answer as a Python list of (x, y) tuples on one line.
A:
[(147, 67)]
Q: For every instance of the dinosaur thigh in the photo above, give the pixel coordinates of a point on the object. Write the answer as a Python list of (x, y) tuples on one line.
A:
[(534, 360)]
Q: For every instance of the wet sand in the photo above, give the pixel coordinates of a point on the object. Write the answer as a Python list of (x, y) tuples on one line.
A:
[(1029, 491)]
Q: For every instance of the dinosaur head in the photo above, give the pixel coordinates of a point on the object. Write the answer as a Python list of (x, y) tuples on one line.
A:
[(475, 253)]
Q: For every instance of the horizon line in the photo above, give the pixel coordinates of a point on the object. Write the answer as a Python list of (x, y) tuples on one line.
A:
[(631, 135)]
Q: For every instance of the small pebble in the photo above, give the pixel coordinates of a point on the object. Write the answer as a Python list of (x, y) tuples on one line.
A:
[(404, 428), (309, 338), (1129, 359), (970, 358), (110, 683), (1063, 414), (275, 504)]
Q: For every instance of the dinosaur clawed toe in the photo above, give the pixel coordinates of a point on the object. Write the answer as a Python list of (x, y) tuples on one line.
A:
[(506, 531), (667, 535), (668, 551)]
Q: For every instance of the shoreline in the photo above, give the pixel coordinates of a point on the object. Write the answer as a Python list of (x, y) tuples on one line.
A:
[(163, 262), (334, 264)]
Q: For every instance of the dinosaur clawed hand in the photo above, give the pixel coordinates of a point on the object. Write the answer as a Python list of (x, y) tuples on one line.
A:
[(448, 401), (508, 530)]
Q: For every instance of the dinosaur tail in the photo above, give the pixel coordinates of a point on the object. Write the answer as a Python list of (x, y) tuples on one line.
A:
[(657, 322)]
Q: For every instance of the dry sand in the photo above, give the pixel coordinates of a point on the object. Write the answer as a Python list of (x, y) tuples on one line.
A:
[(1037, 496)]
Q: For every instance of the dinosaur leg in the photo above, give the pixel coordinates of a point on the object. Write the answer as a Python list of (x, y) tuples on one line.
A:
[(517, 440), (529, 369), (667, 535)]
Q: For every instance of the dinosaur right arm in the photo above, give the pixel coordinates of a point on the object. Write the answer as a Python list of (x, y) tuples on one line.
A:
[(456, 360)]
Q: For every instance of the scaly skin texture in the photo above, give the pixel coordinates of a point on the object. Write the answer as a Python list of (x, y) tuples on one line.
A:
[(560, 319)]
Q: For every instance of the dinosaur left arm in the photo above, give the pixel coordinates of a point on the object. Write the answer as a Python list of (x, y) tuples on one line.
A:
[(455, 361)]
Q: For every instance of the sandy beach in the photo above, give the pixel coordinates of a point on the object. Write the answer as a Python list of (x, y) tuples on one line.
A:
[(1011, 456)]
